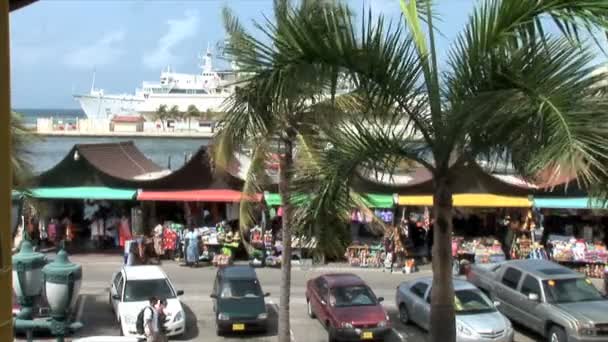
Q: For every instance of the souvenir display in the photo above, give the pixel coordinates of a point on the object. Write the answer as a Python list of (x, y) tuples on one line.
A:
[(480, 250)]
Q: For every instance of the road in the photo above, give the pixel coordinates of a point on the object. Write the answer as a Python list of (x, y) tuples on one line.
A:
[(94, 311)]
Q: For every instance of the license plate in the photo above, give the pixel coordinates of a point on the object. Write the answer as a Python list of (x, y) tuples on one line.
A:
[(367, 335), (238, 327)]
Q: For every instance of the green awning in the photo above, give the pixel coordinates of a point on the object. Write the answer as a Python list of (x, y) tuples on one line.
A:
[(372, 200), (274, 200), (84, 192), (570, 203), (378, 201)]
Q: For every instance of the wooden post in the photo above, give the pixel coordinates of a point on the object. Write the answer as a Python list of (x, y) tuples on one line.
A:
[(6, 287)]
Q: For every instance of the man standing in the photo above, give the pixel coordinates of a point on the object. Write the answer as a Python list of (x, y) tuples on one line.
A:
[(151, 326)]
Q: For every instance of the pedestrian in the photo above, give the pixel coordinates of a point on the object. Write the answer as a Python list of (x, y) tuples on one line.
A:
[(162, 318), (192, 247), (151, 326), (124, 230)]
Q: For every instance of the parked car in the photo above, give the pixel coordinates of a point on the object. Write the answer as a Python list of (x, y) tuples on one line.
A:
[(347, 307), (238, 300), (546, 297), (130, 290), (476, 316)]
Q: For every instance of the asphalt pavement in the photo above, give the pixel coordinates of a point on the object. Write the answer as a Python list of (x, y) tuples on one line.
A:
[(93, 310)]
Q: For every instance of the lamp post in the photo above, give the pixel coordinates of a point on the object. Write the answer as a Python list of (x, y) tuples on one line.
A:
[(61, 280), (62, 284), (27, 279)]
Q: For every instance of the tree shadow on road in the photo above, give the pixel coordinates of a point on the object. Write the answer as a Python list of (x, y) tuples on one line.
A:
[(192, 330)]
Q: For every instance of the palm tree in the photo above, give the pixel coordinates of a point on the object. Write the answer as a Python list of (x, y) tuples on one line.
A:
[(271, 125), (510, 88), (174, 113), (161, 114), (192, 112), (21, 138)]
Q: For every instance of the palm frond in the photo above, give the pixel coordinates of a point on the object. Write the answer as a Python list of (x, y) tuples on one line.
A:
[(21, 140), (256, 180)]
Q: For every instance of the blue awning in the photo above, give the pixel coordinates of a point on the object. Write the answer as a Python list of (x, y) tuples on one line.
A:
[(570, 203)]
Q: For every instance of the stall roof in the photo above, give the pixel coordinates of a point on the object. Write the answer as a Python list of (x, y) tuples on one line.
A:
[(204, 195), (84, 192), (469, 178), (470, 200), (372, 200), (119, 165), (570, 203)]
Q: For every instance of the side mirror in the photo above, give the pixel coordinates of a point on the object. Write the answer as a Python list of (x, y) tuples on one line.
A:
[(380, 299), (180, 292), (496, 303), (115, 297), (213, 295), (533, 297), (267, 294)]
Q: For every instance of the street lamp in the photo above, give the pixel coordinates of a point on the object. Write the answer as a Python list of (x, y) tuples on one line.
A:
[(61, 280), (62, 285), (27, 277)]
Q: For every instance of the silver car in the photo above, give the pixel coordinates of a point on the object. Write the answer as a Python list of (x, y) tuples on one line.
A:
[(476, 316)]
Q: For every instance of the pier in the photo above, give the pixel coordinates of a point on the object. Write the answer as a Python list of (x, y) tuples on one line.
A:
[(126, 126)]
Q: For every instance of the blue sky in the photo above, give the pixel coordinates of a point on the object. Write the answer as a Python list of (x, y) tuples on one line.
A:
[(56, 44)]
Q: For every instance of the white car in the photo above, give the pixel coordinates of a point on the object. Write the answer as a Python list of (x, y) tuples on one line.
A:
[(129, 293)]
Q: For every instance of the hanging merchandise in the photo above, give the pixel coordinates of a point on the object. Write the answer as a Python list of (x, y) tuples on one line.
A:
[(255, 236)]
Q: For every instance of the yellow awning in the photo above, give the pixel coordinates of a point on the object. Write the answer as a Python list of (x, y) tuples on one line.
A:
[(471, 200)]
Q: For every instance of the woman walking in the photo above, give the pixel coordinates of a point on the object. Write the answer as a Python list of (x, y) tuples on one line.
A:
[(192, 247)]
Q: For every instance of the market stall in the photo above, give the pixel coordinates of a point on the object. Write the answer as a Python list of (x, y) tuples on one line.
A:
[(576, 232)]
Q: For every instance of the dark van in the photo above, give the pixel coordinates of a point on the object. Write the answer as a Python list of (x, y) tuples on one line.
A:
[(238, 301)]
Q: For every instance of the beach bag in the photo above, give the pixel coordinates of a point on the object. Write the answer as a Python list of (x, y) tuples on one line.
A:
[(139, 324)]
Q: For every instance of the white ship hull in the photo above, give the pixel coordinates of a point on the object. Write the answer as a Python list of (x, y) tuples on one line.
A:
[(203, 102), (207, 91), (103, 107)]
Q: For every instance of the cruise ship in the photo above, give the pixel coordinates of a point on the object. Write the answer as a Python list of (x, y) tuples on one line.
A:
[(207, 91)]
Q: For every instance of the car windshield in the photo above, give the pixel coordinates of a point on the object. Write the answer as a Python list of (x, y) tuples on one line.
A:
[(246, 288), (472, 302), (571, 290), (141, 290), (352, 296)]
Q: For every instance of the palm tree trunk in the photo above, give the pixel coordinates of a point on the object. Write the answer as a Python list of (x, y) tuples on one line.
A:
[(285, 167), (443, 327)]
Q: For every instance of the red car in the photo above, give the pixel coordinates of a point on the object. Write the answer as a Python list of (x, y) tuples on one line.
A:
[(347, 307)]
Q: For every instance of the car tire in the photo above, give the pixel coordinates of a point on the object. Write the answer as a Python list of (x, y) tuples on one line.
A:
[(311, 314), (404, 316), (557, 334), (330, 334)]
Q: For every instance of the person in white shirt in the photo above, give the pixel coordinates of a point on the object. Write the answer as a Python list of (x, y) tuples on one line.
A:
[(152, 330)]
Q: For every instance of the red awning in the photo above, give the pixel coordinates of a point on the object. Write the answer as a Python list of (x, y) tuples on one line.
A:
[(196, 196)]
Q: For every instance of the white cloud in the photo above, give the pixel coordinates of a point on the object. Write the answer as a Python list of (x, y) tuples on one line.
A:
[(102, 52), (179, 30)]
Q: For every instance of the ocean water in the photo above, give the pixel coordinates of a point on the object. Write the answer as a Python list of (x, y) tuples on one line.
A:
[(44, 153), (69, 115)]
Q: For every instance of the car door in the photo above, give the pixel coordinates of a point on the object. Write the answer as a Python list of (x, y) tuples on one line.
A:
[(419, 291), (507, 292), (530, 310), (319, 300), (116, 290), (216, 291)]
